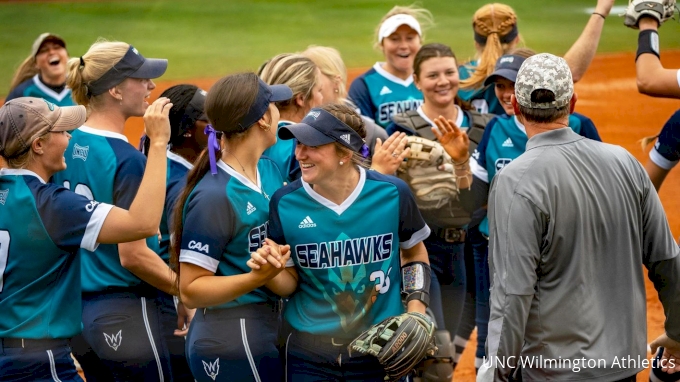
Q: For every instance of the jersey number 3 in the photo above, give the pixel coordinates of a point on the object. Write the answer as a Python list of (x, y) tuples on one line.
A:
[(4, 252)]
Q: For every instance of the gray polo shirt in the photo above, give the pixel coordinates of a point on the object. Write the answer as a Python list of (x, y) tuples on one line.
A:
[(571, 222)]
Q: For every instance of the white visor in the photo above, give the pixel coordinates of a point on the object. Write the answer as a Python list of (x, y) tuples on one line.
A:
[(392, 23)]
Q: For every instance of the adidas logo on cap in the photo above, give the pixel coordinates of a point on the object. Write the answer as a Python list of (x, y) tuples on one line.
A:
[(346, 138), (307, 223)]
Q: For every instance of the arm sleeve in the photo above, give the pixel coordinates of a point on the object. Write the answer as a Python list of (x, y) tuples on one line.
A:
[(129, 174), (72, 221), (208, 227), (412, 226), (360, 96), (275, 231), (15, 93), (516, 226), (666, 151)]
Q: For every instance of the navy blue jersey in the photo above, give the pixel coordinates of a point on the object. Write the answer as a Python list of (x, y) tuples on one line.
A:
[(346, 255), (282, 153), (35, 88), (103, 166), (178, 169), (380, 95), (483, 99), (225, 219), (666, 151), (41, 228)]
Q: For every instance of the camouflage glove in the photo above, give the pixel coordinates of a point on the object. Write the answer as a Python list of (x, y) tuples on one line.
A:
[(661, 10), (399, 343), (431, 187)]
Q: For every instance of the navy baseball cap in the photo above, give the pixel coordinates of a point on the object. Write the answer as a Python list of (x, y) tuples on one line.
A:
[(266, 94), (320, 127), (507, 67), (132, 65)]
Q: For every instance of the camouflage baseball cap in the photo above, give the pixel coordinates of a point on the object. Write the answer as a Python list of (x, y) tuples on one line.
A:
[(26, 118), (548, 72)]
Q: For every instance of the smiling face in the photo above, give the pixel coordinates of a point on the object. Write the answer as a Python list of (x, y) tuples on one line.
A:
[(53, 148), (318, 164), (400, 49), (504, 88), (51, 62), (135, 92), (438, 80)]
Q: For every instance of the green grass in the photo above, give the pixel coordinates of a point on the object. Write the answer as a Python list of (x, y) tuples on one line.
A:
[(210, 38)]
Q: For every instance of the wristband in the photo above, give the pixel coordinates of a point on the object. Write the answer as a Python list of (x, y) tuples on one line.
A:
[(648, 42)]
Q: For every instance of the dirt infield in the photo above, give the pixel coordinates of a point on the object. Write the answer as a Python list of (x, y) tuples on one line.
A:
[(609, 96)]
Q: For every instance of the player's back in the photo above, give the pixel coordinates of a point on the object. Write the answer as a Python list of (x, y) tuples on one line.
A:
[(103, 166)]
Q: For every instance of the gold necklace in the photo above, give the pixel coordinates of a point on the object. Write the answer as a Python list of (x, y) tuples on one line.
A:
[(246, 175)]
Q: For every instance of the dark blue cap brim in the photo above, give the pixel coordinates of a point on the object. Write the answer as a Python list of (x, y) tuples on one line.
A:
[(305, 134), (508, 74), (151, 68), (280, 93)]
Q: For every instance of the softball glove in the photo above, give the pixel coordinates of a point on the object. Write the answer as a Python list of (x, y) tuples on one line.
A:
[(399, 343), (431, 187), (661, 10)]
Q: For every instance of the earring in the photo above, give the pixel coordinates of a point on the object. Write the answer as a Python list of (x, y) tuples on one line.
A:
[(121, 100), (187, 134), (341, 163), (337, 90)]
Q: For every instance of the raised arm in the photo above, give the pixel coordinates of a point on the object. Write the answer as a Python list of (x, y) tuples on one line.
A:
[(652, 78), (581, 53)]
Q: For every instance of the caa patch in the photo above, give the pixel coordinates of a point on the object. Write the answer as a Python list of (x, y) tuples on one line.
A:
[(197, 245)]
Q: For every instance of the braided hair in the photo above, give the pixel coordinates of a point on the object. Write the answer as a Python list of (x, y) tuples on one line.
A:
[(349, 117), (180, 96)]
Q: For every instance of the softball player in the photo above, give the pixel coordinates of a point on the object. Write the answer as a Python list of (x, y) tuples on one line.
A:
[(655, 80), (187, 122), (120, 283), (303, 77), (43, 72), (42, 226), (496, 33), (220, 217), (436, 75), (347, 260), (388, 89)]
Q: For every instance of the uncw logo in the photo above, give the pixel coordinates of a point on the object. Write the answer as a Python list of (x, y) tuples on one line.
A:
[(50, 105)]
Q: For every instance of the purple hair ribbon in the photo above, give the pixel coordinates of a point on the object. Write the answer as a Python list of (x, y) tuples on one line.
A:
[(364, 151), (212, 146)]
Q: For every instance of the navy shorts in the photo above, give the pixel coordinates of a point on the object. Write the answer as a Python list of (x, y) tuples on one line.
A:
[(312, 358), (124, 329), (41, 360), (235, 344)]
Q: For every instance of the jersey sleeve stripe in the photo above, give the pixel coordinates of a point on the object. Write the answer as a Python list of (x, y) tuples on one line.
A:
[(416, 238), (660, 161), (478, 171), (94, 226), (197, 258)]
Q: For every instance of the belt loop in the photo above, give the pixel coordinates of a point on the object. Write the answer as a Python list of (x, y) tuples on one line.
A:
[(22, 344), (204, 311)]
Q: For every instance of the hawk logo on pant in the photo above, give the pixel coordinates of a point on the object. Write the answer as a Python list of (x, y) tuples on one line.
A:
[(114, 340), (212, 368)]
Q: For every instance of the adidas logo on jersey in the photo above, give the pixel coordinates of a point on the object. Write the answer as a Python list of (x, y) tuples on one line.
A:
[(80, 152), (346, 138), (250, 208), (307, 223), (212, 368), (114, 340), (3, 196), (385, 90), (508, 143)]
